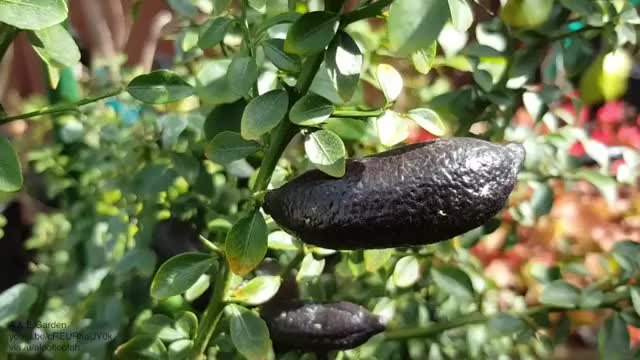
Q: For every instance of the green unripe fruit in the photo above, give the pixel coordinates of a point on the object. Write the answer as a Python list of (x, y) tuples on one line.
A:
[(526, 14)]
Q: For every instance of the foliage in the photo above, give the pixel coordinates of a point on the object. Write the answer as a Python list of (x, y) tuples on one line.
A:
[(156, 237)]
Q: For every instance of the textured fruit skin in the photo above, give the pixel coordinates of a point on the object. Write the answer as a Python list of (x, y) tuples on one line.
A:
[(321, 327), (413, 195)]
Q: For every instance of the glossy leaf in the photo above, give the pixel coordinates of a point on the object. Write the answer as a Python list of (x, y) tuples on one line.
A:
[(423, 59), (229, 146), (428, 120), (392, 128), (311, 33), (344, 62), (33, 14), (374, 259), (326, 151), (214, 32), (406, 272), (16, 302), (179, 273), (242, 74), (10, 170), (274, 51), (246, 243), (613, 339), (461, 14), (390, 81), (455, 281), (416, 25), (55, 46), (310, 110), (159, 87), (249, 333), (561, 294), (258, 291), (310, 267), (264, 113)]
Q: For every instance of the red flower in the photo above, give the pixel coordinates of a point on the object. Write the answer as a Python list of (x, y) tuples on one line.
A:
[(603, 136), (629, 135), (611, 113), (577, 149)]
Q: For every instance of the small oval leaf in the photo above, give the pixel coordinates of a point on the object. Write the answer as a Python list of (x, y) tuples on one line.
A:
[(249, 333), (327, 152), (310, 110), (242, 74), (10, 170), (246, 243), (311, 33), (428, 120), (159, 87), (344, 61), (274, 51), (227, 147), (179, 273), (390, 81), (264, 113)]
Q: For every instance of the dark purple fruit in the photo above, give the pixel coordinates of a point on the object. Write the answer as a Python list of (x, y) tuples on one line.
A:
[(320, 327), (413, 195)]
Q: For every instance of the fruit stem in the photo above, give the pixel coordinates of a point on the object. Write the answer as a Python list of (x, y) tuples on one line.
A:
[(62, 108), (212, 313), (476, 318)]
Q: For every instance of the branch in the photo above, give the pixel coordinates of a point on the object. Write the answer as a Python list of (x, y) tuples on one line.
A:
[(476, 318), (357, 114), (62, 108)]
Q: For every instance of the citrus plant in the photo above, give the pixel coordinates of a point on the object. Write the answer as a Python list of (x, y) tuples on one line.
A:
[(256, 200)]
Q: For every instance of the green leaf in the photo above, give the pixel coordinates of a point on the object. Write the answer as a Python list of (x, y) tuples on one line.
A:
[(453, 280), (613, 339), (310, 267), (310, 110), (561, 294), (542, 199), (227, 147), (55, 46), (33, 14), (10, 171), (220, 6), (187, 324), (503, 324), (224, 117), (264, 113), (213, 32), (180, 349), (406, 272), (326, 151), (280, 240), (311, 33), (198, 288), (390, 81), (179, 273), (627, 255), (16, 302), (392, 128), (374, 259), (258, 291), (415, 25), (635, 298), (159, 87), (344, 61), (161, 327), (423, 58), (461, 14), (242, 74), (428, 120), (249, 333), (246, 243), (274, 51), (141, 347)]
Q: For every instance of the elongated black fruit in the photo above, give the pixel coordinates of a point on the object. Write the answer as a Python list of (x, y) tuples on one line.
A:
[(413, 195), (321, 327)]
